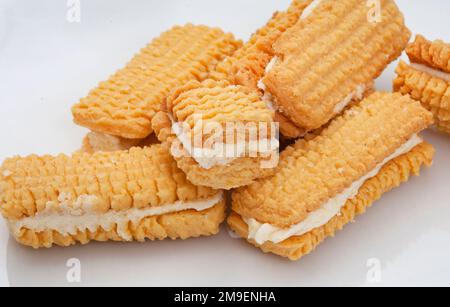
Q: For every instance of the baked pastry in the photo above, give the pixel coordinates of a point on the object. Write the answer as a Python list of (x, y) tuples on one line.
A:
[(222, 136), (248, 64), (329, 58), (125, 104), (322, 183), (120, 196), (427, 78)]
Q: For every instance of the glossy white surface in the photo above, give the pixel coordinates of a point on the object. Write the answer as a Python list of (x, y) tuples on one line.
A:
[(47, 63)]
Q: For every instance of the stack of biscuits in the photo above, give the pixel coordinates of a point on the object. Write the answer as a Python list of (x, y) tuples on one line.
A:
[(317, 145)]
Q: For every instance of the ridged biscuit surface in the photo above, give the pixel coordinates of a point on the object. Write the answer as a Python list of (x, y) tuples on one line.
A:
[(326, 56), (221, 103), (312, 172), (391, 176), (435, 54), (125, 104), (179, 225), (432, 92)]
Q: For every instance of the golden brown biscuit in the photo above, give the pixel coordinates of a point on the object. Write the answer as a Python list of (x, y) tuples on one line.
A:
[(125, 104), (327, 59), (391, 176), (318, 176), (122, 196), (218, 104), (427, 78)]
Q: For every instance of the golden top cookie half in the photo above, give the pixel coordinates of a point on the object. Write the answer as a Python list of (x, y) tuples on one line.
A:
[(391, 176), (312, 172), (125, 104), (219, 102), (435, 54), (139, 178), (330, 56)]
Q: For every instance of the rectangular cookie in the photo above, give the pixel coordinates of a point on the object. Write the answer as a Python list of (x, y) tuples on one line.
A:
[(120, 196), (427, 78), (125, 104), (330, 57), (321, 183)]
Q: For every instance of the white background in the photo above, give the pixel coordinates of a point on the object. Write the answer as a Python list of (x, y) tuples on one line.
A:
[(47, 64)]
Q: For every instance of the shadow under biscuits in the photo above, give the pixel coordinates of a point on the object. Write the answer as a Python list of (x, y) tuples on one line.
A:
[(152, 263)]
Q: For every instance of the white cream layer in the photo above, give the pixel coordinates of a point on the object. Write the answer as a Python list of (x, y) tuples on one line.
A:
[(68, 223), (268, 98), (223, 153), (431, 71), (266, 232), (358, 94), (309, 9)]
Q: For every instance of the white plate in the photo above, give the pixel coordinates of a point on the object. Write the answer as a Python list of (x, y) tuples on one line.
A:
[(47, 63)]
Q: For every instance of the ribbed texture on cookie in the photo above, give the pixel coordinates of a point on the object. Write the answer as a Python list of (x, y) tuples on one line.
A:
[(434, 93), (222, 103), (312, 172), (391, 176), (125, 104), (180, 225), (138, 178), (246, 67), (325, 57), (431, 53), (218, 102)]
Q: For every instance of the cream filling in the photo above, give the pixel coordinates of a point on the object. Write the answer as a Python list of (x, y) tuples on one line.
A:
[(309, 9), (222, 154), (358, 94), (431, 71), (268, 98), (69, 222), (266, 232)]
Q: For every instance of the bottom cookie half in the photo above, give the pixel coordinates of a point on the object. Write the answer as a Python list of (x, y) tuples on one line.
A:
[(391, 176)]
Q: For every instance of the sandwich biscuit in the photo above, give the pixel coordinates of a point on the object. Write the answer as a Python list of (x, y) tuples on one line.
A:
[(329, 58), (323, 182), (119, 196), (125, 104), (427, 78)]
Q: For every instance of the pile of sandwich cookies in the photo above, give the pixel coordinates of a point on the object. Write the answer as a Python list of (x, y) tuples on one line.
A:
[(317, 144)]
